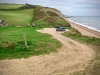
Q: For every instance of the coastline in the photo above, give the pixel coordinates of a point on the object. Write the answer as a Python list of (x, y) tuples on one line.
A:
[(84, 30)]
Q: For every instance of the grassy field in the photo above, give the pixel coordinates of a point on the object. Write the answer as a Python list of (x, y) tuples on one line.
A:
[(13, 16), (17, 18), (94, 67), (10, 6), (12, 43)]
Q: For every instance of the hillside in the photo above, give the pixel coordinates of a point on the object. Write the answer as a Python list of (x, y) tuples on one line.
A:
[(29, 15), (45, 54), (18, 20)]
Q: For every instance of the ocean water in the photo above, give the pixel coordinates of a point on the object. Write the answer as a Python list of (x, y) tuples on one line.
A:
[(89, 22)]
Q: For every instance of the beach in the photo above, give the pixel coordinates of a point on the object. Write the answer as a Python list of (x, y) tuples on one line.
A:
[(84, 30)]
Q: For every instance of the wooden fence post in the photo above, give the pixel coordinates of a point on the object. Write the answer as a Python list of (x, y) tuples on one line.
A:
[(24, 36)]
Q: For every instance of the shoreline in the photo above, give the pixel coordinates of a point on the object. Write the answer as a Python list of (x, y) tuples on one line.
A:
[(84, 30)]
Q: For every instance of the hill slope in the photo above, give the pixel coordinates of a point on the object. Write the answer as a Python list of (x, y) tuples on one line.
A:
[(27, 15)]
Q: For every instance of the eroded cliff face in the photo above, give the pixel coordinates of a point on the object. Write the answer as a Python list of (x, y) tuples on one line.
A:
[(55, 11)]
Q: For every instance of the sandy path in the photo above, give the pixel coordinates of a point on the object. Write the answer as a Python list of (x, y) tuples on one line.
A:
[(72, 56)]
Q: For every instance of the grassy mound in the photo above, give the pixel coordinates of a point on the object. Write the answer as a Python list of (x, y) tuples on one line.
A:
[(44, 18)]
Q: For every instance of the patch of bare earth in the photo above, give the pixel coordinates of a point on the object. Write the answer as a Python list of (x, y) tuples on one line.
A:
[(72, 56)]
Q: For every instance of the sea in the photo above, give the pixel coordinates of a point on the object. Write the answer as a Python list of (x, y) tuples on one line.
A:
[(89, 22)]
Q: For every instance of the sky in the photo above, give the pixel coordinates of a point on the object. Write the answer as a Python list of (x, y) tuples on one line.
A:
[(67, 7)]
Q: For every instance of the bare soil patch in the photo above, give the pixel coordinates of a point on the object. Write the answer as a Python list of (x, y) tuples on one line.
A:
[(72, 56)]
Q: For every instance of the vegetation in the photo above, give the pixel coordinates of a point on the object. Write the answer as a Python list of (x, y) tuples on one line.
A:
[(74, 34), (42, 17), (95, 44), (10, 6), (20, 18), (17, 18), (29, 15), (12, 43)]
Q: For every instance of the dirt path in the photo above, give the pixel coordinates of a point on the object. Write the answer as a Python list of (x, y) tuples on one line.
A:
[(72, 56)]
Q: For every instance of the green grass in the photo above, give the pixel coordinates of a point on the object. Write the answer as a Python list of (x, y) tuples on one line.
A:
[(93, 43), (17, 18), (10, 6), (12, 43), (44, 11), (23, 15), (83, 39), (61, 21)]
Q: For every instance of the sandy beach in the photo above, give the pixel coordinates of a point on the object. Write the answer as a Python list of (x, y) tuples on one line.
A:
[(84, 30)]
